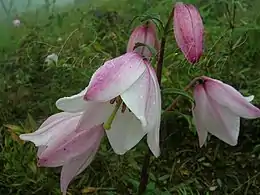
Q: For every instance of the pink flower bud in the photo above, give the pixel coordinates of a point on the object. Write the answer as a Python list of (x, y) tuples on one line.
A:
[(145, 34), (188, 31)]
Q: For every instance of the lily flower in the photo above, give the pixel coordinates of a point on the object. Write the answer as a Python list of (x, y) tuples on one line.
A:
[(61, 143), (145, 34), (218, 110), (188, 31), (124, 82)]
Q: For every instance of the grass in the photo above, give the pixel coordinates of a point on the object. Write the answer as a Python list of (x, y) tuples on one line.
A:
[(96, 32)]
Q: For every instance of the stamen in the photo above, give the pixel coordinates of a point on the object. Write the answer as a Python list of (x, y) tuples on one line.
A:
[(112, 101), (123, 108), (107, 125)]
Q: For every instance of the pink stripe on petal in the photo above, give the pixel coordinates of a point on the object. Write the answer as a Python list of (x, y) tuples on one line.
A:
[(52, 128), (70, 146), (146, 34), (114, 77), (138, 35), (188, 31), (76, 165)]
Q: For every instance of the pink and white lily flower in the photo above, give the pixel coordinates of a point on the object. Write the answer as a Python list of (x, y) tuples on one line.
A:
[(218, 110), (61, 143), (133, 80)]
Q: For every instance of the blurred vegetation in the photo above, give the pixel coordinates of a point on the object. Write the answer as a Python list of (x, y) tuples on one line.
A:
[(84, 37)]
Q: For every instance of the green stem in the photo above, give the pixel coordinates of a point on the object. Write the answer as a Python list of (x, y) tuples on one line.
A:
[(144, 173), (107, 125)]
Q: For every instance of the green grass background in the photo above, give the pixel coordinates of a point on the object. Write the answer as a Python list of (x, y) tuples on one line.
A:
[(96, 31)]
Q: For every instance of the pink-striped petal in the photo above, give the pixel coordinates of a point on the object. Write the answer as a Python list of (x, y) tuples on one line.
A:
[(114, 77), (69, 147), (126, 131), (54, 127), (229, 97), (76, 165), (188, 31)]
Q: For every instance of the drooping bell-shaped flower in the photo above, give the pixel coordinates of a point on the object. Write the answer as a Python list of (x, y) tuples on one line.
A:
[(61, 143), (218, 108), (147, 35), (188, 31), (127, 87)]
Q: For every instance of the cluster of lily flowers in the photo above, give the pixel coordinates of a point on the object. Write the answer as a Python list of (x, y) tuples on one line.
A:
[(123, 102)]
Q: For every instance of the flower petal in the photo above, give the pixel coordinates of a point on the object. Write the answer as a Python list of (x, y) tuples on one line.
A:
[(98, 115), (199, 112), (73, 168), (135, 97), (126, 131), (214, 118), (76, 165), (229, 97), (143, 98), (114, 77), (55, 126), (153, 113), (75, 103), (70, 146)]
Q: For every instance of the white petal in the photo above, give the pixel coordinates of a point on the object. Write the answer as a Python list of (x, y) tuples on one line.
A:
[(153, 113), (198, 117), (229, 97), (144, 100), (96, 116), (214, 118), (125, 133), (135, 97), (75, 103), (54, 127)]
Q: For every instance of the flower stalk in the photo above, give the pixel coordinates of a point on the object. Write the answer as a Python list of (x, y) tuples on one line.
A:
[(144, 173)]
